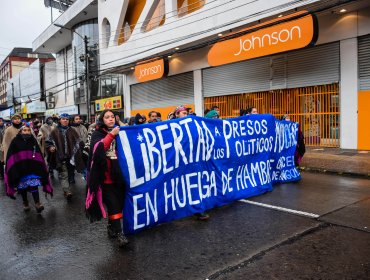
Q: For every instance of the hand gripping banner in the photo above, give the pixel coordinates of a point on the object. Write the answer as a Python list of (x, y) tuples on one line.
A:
[(177, 168)]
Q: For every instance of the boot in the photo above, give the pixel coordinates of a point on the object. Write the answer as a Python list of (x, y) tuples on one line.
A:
[(26, 207), (111, 232), (202, 216), (68, 195), (121, 239), (39, 207)]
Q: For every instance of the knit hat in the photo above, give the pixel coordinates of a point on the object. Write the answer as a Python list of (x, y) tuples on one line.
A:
[(26, 124), (16, 116), (64, 116), (212, 114), (180, 109)]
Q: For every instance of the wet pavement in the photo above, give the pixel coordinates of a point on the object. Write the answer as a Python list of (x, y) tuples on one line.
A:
[(338, 161), (239, 241)]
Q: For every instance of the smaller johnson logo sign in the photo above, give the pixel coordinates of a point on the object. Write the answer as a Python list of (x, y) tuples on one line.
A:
[(281, 37), (152, 70)]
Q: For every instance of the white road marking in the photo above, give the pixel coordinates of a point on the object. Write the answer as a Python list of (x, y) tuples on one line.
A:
[(278, 208)]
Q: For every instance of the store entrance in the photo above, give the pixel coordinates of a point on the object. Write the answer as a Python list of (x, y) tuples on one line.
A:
[(315, 108)]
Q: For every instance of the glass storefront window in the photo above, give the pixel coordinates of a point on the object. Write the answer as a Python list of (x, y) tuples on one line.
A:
[(111, 85)]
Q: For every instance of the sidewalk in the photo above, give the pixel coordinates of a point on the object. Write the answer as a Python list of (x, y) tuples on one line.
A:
[(339, 161)]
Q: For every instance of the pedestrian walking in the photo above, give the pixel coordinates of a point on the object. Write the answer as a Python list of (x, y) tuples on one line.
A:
[(2, 159), (105, 181), (25, 169), (65, 148), (11, 132)]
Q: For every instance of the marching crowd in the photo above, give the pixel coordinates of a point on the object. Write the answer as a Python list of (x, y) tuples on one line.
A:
[(31, 151)]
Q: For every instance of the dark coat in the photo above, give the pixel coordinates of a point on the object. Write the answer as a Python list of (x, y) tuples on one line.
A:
[(74, 148)]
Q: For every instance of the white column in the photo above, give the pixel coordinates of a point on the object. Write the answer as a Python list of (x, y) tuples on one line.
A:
[(198, 93), (348, 93), (126, 97)]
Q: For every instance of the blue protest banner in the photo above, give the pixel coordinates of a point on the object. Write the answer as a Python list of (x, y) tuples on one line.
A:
[(185, 166)]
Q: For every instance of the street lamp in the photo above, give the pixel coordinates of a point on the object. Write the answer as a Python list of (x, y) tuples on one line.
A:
[(86, 59)]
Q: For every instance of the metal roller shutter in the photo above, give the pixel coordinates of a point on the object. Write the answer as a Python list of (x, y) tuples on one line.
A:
[(240, 77), (364, 62), (314, 66), (308, 67), (171, 91)]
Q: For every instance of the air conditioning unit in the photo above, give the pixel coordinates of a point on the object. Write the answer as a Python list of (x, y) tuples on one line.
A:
[(50, 105), (50, 99)]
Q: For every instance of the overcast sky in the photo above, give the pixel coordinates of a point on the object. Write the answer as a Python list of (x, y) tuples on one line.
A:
[(21, 21)]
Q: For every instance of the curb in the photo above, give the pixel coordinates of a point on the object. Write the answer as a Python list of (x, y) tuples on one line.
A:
[(332, 172)]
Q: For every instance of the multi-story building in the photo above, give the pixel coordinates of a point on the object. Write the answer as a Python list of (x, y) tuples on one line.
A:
[(17, 60), (306, 58)]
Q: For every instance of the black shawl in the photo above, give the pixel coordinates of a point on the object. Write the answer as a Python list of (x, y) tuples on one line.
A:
[(24, 158), (97, 166)]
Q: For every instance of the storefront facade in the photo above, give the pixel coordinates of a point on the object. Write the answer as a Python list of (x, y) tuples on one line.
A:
[(323, 86)]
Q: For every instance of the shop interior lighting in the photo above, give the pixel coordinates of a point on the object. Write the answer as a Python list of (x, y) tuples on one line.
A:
[(343, 11), (279, 16), (169, 56), (132, 68), (219, 35), (177, 48)]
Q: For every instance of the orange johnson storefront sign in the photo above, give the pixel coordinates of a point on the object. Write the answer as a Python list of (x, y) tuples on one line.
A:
[(152, 70), (282, 37)]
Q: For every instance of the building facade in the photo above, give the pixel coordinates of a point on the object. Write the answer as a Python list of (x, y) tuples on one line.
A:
[(171, 53), (17, 60)]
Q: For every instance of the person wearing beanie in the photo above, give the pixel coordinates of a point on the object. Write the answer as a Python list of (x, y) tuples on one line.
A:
[(11, 132), (181, 112), (25, 169), (213, 114), (2, 131), (64, 147)]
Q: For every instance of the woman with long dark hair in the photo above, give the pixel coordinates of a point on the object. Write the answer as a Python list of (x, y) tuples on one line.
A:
[(105, 182)]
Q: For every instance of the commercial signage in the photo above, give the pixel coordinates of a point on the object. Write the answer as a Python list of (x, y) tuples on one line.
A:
[(6, 113), (108, 103), (185, 166), (36, 107), (152, 70), (281, 37), (71, 110)]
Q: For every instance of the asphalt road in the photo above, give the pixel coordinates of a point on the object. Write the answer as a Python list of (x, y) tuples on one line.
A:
[(328, 239)]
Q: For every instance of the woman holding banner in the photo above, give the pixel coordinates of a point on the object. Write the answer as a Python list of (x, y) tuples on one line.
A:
[(105, 187)]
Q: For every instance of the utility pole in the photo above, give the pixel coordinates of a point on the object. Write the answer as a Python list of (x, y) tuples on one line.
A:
[(87, 79)]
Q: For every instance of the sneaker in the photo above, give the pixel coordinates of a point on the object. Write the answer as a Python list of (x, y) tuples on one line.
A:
[(121, 239), (39, 207), (202, 216), (26, 207), (68, 195)]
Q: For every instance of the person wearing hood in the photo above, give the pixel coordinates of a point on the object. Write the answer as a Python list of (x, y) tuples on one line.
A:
[(64, 147), (2, 131), (139, 119), (25, 169)]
